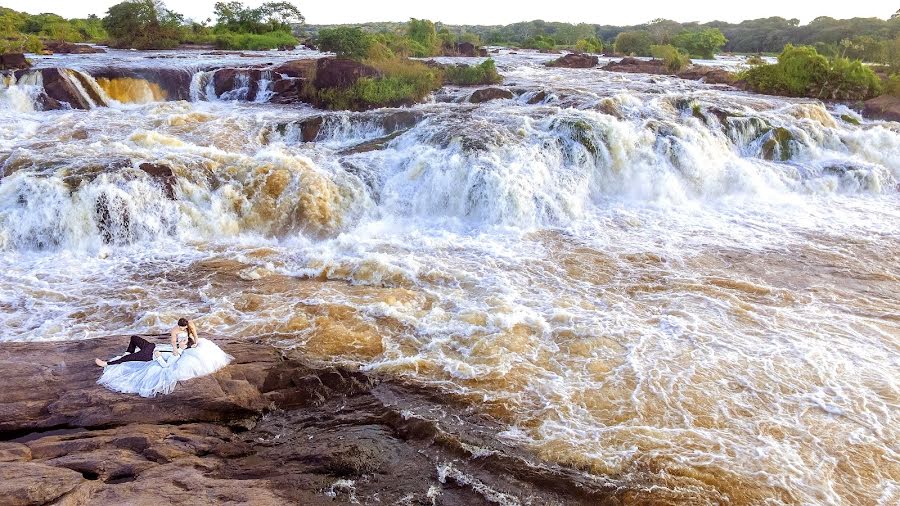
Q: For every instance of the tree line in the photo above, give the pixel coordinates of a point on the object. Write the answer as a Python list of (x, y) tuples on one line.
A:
[(149, 24)]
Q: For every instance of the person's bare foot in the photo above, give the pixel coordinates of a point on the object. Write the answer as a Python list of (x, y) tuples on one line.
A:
[(99, 362)]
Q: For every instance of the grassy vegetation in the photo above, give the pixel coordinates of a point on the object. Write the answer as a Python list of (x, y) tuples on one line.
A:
[(675, 59), (755, 60), (589, 45), (254, 41), (420, 39), (148, 24), (468, 75), (22, 32), (892, 85), (802, 72), (400, 82)]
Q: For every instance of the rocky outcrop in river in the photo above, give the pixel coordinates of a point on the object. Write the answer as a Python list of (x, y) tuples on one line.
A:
[(13, 61), (267, 429)]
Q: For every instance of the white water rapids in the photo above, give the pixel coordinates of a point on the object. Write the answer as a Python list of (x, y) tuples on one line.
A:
[(689, 291)]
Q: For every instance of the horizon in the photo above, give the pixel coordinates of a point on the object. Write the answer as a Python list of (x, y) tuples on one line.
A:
[(468, 12)]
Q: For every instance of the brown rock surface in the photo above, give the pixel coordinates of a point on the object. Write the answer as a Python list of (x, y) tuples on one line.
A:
[(163, 175), (709, 75), (340, 73), (62, 47), (267, 429), (636, 66), (486, 94), (575, 61), (885, 107), (28, 483), (13, 61)]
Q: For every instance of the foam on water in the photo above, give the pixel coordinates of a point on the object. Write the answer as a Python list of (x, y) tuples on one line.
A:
[(688, 291)]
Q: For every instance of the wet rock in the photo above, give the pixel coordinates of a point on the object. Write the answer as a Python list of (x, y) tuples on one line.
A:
[(538, 97), (885, 107), (29, 483), (575, 61), (634, 65), (847, 118), (267, 429), (709, 75), (62, 47), (310, 128), (112, 218), (304, 69), (13, 61), (487, 94), (237, 84), (287, 90), (59, 88), (174, 82), (163, 175), (401, 119), (465, 49), (372, 145), (340, 73), (778, 144)]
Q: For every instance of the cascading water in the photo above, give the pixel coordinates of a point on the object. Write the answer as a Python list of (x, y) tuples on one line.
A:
[(684, 290)]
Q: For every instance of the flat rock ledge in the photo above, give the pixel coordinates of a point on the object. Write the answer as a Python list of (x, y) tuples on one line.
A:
[(268, 429)]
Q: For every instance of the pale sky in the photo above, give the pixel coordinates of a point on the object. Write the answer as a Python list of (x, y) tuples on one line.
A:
[(492, 12)]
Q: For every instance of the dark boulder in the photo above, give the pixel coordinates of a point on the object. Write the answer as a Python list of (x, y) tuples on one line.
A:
[(163, 175), (175, 82), (575, 61), (401, 119), (237, 84), (487, 94), (636, 66), (113, 219), (538, 97), (62, 47), (310, 127), (297, 68), (340, 73), (59, 87), (13, 61), (466, 49), (708, 75), (885, 107)]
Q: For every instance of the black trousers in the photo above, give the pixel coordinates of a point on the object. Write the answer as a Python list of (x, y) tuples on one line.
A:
[(144, 351)]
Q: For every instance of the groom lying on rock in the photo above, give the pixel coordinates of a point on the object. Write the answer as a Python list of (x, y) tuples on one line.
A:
[(147, 372), (184, 335)]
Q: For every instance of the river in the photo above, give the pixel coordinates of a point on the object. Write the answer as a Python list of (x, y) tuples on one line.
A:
[(685, 290)]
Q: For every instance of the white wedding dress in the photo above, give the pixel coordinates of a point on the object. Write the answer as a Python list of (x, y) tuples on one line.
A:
[(159, 376)]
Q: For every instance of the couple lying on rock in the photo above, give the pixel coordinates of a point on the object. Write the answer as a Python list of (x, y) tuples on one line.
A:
[(148, 370)]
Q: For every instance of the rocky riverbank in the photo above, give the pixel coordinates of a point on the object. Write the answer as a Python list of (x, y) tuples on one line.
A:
[(268, 429)]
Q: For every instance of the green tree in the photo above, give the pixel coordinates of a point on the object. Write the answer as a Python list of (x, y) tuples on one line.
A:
[(269, 17), (801, 71), (701, 43), (635, 43), (346, 42), (674, 58), (424, 36), (143, 24), (589, 45)]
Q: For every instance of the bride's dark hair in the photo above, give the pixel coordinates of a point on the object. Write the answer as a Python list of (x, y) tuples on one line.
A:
[(192, 339)]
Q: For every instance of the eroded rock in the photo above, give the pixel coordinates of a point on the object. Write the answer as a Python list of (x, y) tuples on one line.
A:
[(885, 107), (487, 94), (267, 429), (575, 61), (33, 484), (62, 47), (13, 61)]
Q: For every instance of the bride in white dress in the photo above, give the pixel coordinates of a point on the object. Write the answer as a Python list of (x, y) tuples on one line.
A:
[(188, 357)]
